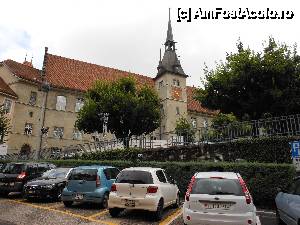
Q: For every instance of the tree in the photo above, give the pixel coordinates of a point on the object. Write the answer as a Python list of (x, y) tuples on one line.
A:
[(184, 128), (251, 84), (125, 109), (222, 119), (4, 125)]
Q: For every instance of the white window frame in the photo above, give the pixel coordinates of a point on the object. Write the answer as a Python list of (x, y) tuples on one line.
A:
[(77, 134), (176, 82), (30, 97), (58, 132), (194, 122), (7, 107), (28, 128), (61, 102), (79, 104)]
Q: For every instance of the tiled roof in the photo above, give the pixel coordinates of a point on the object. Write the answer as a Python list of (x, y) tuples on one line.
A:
[(194, 105), (23, 71), (78, 75), (4, 88), (73, 74)]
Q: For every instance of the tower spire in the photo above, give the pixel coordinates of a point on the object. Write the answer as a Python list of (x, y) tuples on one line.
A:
[(170, 62), (169, 32)]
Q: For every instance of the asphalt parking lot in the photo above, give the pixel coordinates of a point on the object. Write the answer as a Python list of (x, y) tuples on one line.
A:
[(17, 211)]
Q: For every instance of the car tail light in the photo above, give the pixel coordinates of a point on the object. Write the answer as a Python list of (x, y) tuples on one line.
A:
[(188, 218), (22, 175), (152, 189), (249, 221), (98, 183), (189, 190), (113, 188), (245, 190)]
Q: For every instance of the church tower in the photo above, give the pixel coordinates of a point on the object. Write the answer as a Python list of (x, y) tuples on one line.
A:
[(170, 83)]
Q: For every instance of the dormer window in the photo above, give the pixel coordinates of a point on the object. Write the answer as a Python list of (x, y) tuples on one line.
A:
[(61, 102)]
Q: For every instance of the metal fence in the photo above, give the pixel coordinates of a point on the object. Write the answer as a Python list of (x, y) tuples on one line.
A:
[(275, 126)]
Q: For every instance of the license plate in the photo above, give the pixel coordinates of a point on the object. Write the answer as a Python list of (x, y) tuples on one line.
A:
[(78, 196), (130, 203), (225, 206)]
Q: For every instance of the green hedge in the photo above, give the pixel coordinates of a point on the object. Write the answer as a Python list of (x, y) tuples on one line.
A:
[(262, 179), (266, 149)]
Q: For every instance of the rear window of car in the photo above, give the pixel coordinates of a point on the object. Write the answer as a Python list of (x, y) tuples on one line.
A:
[(215, 186), (12, 168), (83, 174), (134, 177), (111, 173)]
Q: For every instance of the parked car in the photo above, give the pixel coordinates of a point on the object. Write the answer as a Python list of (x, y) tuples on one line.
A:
[(288, 204), (49, 185), (146, 188), (217, 198), (2, 165), (15, 175), (89, 184)]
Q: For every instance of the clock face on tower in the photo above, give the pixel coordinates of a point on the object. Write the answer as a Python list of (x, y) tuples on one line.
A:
[(176, 93)]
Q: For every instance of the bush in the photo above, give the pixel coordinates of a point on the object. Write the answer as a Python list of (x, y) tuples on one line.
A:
[(265, 149), (262, 179)]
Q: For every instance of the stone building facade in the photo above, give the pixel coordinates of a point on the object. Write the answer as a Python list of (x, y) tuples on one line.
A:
[(35, 108)]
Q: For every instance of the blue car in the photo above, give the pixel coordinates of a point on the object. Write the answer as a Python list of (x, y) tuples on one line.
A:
[(288, 204), (89, 184)]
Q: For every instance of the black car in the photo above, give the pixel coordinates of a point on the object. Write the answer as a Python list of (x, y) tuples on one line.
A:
[(49, 185), (2, 165), (15, 175)]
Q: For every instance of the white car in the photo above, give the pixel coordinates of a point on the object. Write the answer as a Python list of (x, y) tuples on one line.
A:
[(143, 188), (217, 198)]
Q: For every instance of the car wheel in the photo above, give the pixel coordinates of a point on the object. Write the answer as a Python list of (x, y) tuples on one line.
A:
[(177, 203), (105, 201), (278, 219), (114, 212), (68, 203), (159, 211)]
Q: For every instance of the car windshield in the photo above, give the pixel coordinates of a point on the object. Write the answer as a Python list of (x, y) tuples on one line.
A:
[(13, 168), (83, 174), (56, 173), (134, 177), (216, 186)]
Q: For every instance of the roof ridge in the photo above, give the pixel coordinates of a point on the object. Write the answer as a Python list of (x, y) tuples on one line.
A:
[(21, 64), (94, 64)]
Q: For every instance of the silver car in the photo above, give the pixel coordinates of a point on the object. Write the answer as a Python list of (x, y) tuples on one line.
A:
[(288, 204)]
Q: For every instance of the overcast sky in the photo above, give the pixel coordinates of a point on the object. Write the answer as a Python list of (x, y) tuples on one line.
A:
[(128, 34)]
